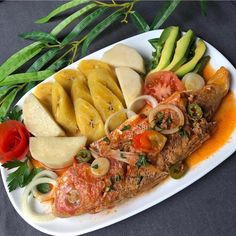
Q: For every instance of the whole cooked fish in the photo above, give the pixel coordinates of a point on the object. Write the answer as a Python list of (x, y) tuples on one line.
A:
[(132, 171)]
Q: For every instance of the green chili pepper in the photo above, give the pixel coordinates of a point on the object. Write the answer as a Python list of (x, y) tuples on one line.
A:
[(84, 155), (195, 111), (44, 188), (177, 170)]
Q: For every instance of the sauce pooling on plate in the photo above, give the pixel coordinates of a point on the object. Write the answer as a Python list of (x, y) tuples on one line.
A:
[(226, 124)]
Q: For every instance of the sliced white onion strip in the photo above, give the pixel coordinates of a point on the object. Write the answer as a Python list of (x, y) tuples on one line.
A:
[(160, 107), (153, 102), (126, 111), (44, 196), (27, 210), (128, 157)]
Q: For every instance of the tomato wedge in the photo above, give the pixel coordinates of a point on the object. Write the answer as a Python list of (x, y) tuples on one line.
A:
[(149, 141), (14, 141), (162, 84)]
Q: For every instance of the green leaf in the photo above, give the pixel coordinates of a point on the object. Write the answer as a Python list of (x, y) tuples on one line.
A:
[(98, 29), (142, 161), (16, 178), (43, 60), (33, 172), (26, 77), (61, 9), (71, 18), (14, 114), (203, 5), (83, 24), (57, 65), (39, 36), (139, 22), (19, 58), (5, 90), (158, 44), (22, 176), (6, 103), (164, 13), (12, 164), (126, 127)]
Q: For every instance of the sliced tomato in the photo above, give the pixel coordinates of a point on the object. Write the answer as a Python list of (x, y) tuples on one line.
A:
[(149, 141), (162, 84)]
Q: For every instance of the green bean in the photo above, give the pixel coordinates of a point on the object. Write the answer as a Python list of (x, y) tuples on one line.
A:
[(7, 101), (83, 24), (139, 22), (164, 13), (43, 60), (98, 29), (19, 58), (26, 77), (5, 89), (39, 36), (28, 87), (57, 65), (71, 18), (61, 9), (203, 5)]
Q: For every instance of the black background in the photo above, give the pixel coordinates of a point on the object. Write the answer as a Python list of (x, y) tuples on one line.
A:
[(208, 207)]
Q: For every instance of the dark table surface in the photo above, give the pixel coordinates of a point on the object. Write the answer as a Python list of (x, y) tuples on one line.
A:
[(208, 207)]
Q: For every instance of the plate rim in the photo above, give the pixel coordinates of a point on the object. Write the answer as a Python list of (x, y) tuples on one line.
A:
[(227, 154)]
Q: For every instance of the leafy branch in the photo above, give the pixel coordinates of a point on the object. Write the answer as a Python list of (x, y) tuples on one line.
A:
[(49, 54)]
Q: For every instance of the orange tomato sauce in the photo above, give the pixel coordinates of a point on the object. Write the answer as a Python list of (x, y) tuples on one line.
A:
[(226, 123), (38, 164)]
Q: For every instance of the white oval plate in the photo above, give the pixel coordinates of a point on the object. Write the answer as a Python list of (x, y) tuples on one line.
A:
[(89, 222)]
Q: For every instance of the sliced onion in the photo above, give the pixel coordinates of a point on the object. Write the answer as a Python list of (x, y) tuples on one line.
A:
[(126, 111), (150, 99), (130, 158), (27, 210), (102, 165), (44, 196), (127, 157), (193, 81), (160, 107), (94, 153)]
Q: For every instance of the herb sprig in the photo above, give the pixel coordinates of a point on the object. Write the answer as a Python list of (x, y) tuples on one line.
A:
[(21, 176)]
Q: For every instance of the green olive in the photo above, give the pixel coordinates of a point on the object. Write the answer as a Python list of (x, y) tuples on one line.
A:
[(177, 170)]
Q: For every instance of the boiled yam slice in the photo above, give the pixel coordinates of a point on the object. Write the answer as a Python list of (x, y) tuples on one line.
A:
[(130, 82), (122, 55), (56, 152), (38, 120)]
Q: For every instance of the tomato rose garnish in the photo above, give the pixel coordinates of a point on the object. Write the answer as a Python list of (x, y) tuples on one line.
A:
[(14, 141)]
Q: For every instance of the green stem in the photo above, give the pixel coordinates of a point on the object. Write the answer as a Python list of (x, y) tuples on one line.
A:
[(53, 46)]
